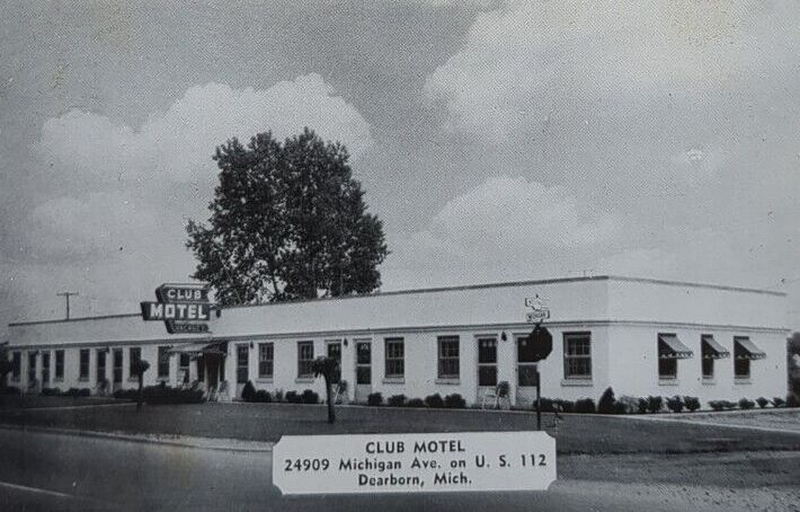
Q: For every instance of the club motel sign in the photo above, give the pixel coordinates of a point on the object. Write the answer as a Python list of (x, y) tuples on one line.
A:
[(184, 308)]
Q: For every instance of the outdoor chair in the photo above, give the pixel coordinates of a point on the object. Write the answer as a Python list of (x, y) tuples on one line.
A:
[(496, 395)]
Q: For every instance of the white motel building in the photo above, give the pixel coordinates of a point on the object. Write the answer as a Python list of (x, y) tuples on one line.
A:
[(640, 336)]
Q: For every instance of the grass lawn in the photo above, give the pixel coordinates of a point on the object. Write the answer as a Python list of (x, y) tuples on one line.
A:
[(577, 434), (10, 402)]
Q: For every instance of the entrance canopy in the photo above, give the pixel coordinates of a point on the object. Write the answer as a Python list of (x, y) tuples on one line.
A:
[(713, 350), (670, 347), (198, 348)]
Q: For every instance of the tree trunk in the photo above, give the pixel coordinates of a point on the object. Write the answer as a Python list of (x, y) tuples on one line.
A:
[(329, 391), (139, 398)]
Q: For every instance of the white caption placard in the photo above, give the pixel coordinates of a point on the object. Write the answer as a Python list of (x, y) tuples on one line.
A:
[(442, 462)]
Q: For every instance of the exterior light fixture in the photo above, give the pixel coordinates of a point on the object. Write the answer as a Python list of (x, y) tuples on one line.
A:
[(503, 336), (345, 342)]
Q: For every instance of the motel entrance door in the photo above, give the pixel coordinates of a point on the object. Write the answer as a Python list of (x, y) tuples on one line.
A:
[(363, 370), (117, 361), (526, 372), (242, 367)]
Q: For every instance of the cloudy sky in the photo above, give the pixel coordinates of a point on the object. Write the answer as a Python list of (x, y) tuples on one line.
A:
[(496, 140)]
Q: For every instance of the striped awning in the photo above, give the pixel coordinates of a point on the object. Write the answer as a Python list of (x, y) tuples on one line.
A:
[(746, 349), (197, 348), (713, 350), (670, 347)]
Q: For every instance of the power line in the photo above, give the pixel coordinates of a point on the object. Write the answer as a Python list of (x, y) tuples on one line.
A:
[(66, 296)]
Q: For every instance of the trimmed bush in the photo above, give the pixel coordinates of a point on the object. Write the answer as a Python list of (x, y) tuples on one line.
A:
[(293, 397), (159, 395), (51, 391), (75, 392), (126, 394), (262, 395), (716, 405), (309, 397), (630, 404), (248, 392), (11, 390), (778, 402), (691, 402), (746, 404), (455, 401), (585, 405), (566, 405), (607, 401), (792, 400), (375, 399), (279, 395), (434, 401), (675, 404), (643, 403), (415, 402), (397, 400), (762, 402), (654, 404), (547, 404)]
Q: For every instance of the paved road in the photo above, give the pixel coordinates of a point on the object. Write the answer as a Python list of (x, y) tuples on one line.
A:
[(46, 471)]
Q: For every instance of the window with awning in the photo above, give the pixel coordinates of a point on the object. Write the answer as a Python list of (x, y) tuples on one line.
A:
[(670, 349), (744, 351), (198, 348), (712, 349)]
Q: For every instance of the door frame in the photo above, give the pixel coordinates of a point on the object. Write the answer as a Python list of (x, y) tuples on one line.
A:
[(362, 391)]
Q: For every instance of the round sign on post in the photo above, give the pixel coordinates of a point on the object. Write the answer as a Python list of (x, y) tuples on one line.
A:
[(542, 342)]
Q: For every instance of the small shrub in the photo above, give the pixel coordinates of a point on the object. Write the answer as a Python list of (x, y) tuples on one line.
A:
[(84, 392), (50, 391), (628, 404), (716, 405), (124, 394), (566, 405), (691, 402), (309, 397), (675, 404), (248, 392), (778, 402), (746, 404), (293, 397), (262, 395), (654, 404), (397, 400), (375, 399), (607, 401), (455, 401), (159, 395), (11, 390), (415, 402), (762, 402), (792, 400), (279, 395), (434, 401), (728, 404), (585, 405), (643, 403), (546, 404)]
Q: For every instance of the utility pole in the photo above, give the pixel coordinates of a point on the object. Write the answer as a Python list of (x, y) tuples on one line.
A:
[(67, 295)]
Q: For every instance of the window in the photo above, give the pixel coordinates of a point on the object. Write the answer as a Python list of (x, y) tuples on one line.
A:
[(31, 366), (266, 360), (101, 366), (487, 361), (117, 355), (201, 368), (335, 352), (16, 366), (242, 363), (670, 349), (183, 368), (448, 357), (83, 364), (45, 368), (395, 364), (710, 351), (305, 356), (578, 355), (163, 362), (59, 365), (135, 354), (364, 362)]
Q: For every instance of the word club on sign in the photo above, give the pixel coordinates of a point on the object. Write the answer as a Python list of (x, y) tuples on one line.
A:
[(401, 463)]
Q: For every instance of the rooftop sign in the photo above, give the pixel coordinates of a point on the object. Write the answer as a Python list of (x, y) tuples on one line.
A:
[(182, 307)]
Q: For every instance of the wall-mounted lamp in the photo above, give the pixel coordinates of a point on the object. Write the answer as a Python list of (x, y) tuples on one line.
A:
[(106, 350), (251, 344), (345, 342), (503, 336), (218, 312)]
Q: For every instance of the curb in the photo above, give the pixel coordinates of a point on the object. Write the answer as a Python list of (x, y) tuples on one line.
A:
[(202, 443)]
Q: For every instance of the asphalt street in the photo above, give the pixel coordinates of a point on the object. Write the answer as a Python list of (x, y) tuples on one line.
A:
[(47, 471)]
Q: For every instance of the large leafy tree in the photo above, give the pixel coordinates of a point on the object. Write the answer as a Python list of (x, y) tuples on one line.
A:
[(288, 221)]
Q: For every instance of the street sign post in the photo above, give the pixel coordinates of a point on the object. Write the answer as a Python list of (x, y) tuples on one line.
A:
[(542, 342)]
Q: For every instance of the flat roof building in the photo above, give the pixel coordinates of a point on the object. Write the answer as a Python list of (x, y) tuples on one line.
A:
[(640, 336)]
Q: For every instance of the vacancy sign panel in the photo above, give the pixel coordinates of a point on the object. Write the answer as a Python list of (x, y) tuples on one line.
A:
[(399, 463)]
